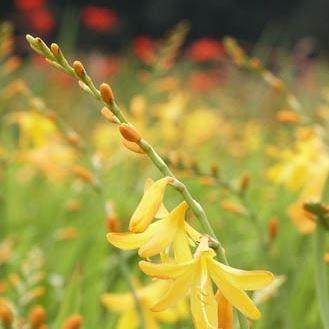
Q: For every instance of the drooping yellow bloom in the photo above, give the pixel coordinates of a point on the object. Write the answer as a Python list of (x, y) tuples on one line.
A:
[(194, 277), (171, 231), (149, 205), (124, 304)]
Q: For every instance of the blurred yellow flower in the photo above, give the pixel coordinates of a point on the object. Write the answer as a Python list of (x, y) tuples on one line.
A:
[(124, 304), (194, 277), (35, 129), (306, 167)]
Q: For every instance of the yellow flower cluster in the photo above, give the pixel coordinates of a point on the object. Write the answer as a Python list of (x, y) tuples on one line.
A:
[(186, 274), (305, 167)]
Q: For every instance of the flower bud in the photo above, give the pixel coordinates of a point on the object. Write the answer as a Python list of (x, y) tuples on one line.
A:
[(108, 115), (273, 228), (73, 322), (55, 49), (129, 133), (79, 69), (132, 146), (6, 315), (83, 174), (106, 93), (37, 317)]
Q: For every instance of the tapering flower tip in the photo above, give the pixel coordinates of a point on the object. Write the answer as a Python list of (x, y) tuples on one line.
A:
[(6, 315), (129, 133), (108, 115), (106, 93), (132, 146), (54, 47), (73, 322), (30, 39), (79, 69), (37, 317), (149, 205)]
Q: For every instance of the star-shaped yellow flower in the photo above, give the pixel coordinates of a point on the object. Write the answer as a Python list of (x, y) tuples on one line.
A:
[(195, 277), (171, 231)]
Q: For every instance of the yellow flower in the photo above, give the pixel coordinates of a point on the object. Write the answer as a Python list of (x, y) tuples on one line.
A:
[(124, 304), (169, 231), (194, 277), (35, 129), (149, 205)]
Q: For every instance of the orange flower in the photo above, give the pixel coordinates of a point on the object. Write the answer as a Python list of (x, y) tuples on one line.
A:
[(42, 20), (205, 49), (99, 18), (144, 49), (26, 5)]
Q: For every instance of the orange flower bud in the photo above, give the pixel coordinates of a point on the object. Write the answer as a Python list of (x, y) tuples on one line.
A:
[(233, 207), (214, 170), (73, 322), (37, 317), (73, 138), (129, 133), (79, 69), (108, 115), (113, 223), (6, 315), (273, 228), (55, 49), (106, 93), (132, 146), (83, 174), (225, 312), (244, 183), (287, 116), (255, 63)]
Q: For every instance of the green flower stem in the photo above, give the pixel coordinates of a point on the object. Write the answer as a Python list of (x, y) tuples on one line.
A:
[(244, 324), (321, 277)]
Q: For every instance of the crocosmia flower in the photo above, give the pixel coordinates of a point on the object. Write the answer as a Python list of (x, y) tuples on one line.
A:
[(99, 18), (195, 277)]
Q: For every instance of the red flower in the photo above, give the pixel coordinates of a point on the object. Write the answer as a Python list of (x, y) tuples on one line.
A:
[(29, 4), (98, 18), (144, 49), (42, 20), (206, 49)]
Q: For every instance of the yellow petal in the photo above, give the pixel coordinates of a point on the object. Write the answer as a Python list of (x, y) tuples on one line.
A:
[(118, 302), (193, 233), (176, 292), (129, 320), (132, 146), (128, 241), (149, 205), (225, 312), (237, 297), (162, 212), (181, 247), (203, 303), (245, 280), (160, 240), (167, 270)]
